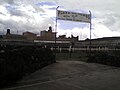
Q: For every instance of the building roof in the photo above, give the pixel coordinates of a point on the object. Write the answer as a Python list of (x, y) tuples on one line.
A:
[(29, 33)]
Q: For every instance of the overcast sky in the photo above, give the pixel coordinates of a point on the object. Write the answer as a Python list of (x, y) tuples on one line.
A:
[(37, 15)]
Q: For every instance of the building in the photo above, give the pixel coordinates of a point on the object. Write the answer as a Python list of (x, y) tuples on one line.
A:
[(74, 39), (47, 35), (13, 37), (30, 36), (63, 38), (109, 42), (50, 36)]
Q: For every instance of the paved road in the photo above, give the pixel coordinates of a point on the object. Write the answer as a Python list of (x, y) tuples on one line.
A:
[(72, 75)]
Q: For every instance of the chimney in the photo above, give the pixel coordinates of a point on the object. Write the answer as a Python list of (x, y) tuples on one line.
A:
[(8, 32), (50, 29)]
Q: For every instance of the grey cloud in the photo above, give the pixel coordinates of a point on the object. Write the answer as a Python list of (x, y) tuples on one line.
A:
[(7, 2), (16, 26), (28, 26), (38, 9), (2, 13), (89, 4), (16, 12), (10, 1), (111, 20), (107, 10)]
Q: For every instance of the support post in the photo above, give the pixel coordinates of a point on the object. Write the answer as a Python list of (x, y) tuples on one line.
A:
[(90, 31), (56, 30)]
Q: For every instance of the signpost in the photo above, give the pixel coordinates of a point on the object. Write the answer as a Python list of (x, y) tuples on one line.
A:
[(74, 16), (56, 30), (90, 32)]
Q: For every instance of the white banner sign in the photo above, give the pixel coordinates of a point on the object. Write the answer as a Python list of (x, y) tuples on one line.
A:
[(72, 16)]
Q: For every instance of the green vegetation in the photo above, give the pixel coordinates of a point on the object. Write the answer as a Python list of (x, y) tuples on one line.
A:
[(108, 57), (19, 61), (111, 58)]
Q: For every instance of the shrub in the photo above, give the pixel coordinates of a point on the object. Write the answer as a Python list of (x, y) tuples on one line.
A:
[(109, 58), (18, 62)]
